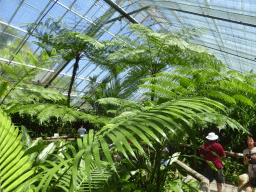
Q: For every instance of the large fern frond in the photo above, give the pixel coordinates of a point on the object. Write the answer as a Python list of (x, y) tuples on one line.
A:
[(121, 103), (45, 111), (213, 94), (243, 99), (228, 88), (32, 94), (221, 121), (241, 87), (96, 181)]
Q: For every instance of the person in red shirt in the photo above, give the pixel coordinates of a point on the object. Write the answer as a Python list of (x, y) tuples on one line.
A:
[(206, 152)]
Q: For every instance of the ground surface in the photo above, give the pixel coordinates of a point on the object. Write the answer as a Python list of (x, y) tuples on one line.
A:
[(225, 187), (213, 186)]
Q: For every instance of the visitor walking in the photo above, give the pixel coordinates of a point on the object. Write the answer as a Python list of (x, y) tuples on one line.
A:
[(207, 153), (81, 131), (250, 160)]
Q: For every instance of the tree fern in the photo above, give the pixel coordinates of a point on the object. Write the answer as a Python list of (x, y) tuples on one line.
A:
[(243, 99), (28, 73), (110, 87), (67, 43), (42, 103), (33, 94), (151, 53), (122, 103), (227, 87), (44, 111), (28, 69), (218, 96)]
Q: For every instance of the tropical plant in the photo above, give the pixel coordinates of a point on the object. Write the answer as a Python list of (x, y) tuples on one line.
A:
[(5, 37), (10, 40), (83, 182), (43, 112), (154, 128), (125, 108), (233, 168), (15, 167), (109, 87), (26, 74), (37, 103), (138, 177), (233, 89), (69, 44), (139, 135), (147, 53), (21, 157)]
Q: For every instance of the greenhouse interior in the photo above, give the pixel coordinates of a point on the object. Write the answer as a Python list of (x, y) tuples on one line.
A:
[(127, 95)]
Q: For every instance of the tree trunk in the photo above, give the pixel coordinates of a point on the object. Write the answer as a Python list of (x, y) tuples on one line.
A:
[(73, 77), (152, 96)]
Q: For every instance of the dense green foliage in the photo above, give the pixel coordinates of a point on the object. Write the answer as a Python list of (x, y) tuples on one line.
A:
[(234, 90), (45, 109), (128, 151), (15, 165), (147, 127), (146, 53)]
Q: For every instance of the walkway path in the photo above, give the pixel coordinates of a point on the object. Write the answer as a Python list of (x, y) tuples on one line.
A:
[(213, 186), (225, 187)]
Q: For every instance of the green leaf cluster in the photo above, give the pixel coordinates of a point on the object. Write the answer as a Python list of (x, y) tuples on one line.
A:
[(15, 167)]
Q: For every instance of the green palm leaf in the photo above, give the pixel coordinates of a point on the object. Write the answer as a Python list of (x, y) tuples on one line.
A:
[(14, 167)]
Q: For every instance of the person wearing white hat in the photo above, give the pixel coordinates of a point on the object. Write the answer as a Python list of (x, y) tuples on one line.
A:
[(207, 153)]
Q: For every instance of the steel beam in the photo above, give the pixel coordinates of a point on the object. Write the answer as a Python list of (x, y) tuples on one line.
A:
[(219, 34), (224, 50), (130, 13), (121, 11), (241, 19), (13, 15), (25, 38)]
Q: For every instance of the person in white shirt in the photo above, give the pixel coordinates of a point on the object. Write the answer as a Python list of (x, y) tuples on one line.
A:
[(82, 131), (250, 160)]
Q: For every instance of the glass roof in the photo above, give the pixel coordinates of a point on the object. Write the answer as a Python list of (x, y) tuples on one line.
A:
[(231, 34)]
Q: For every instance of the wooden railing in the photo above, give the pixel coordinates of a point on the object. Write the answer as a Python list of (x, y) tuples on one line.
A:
[(229, 153), (204, 182)]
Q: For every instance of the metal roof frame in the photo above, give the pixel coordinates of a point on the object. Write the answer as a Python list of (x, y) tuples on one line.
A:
[(225, 38), (206, 12), (95, 27)]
